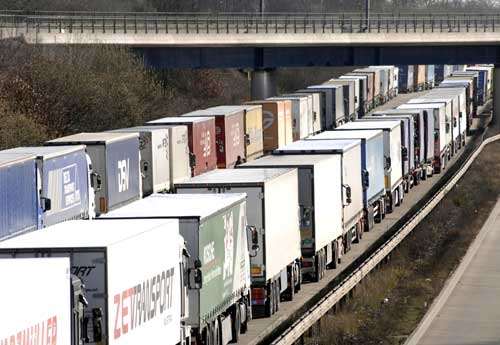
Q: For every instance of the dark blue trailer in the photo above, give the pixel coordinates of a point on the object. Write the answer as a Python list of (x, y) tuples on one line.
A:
[(482, 83), (115, 159), (18, 194), (405, 81), (64, 182), (441, 72)]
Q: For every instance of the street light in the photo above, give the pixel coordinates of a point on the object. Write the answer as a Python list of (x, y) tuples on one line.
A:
[(367, 14)]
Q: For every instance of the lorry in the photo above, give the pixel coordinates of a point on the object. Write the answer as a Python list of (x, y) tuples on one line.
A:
[(300, 115), (362, 80), (315, 113), (429, 76), (335, 113), (440, 111), (201, 139), (154, 146), (357, 96), (405, 83), (419, 77), (372, 165), (65, 182), (423, 138), (441, 72), (215, 230), (352, 179), (392, 157), (229, 133), (115, 160), (320, 99), (254, 136), (19, 209), (320, 207), (271, 194), (120, 262), (369, 101), (348, 87), (276, 123), (51, 313), (410, 175), (375, 73), (178, 152)]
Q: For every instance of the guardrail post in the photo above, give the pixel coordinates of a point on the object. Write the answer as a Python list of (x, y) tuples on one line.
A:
[(177, 26), (351, 23), (103, 25), (276, 25), (267, 24), (305, 24), (227, 26), (156, 24), (217, 23), (414, 23), (378, 24), (432, 23), (59, 25), (475, 23), (342, 23), (135, 23), (333, 25), (493, 24), (485, 22), (145, 25)]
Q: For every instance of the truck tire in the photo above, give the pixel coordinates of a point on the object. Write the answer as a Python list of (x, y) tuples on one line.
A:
[(206, 337), (277, 287), (248, 308), (236, 324), (298, 286), (317, 267), (291, 282), (269, 306), (216, 332)]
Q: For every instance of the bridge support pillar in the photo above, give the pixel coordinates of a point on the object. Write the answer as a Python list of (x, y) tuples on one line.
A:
[(496, 96), (263, 84)]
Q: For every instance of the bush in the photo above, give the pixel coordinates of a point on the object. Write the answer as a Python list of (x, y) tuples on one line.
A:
[(74, 89)]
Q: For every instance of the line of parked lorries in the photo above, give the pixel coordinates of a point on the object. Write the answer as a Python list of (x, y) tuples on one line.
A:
[(201, 222)]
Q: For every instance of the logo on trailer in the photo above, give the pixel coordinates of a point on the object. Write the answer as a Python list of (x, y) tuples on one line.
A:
[(228, 245), (144, 302), (41, 333), (205, 143), (236, 135), (70, 186), (123, 175), (267, 119)]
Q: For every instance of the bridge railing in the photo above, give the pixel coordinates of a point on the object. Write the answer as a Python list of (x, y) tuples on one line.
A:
[(247, 23)]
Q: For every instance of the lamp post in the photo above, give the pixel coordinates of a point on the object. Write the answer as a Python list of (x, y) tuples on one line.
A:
[(367, 14)]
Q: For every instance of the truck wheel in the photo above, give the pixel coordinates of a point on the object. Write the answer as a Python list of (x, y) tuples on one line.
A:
[(270, 301), (298, 286), (216, 332), (277, 287), (248, 308), (291, 281), (317, 267), (236, 316), (207, 335)]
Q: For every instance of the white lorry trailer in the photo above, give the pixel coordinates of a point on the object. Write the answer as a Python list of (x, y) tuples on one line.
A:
[(133, 272), (271, 193), (41, 315), (349, 151), (393, 157), (320, 201), (215, 230)]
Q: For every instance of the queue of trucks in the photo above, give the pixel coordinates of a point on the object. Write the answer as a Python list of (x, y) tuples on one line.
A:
[(183, 230)]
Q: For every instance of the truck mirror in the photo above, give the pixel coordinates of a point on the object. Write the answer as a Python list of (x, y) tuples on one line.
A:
[(348, 194), (366, 178), (45, 204), (192, 160), (254, 235), (197, 263), (305, 216), (95, 181), (247, 139), (404, 153), (387, 163), (195, 278), (145, 166), (97, 324)]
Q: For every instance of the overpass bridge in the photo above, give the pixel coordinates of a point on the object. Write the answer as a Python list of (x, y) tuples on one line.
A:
[(264, 42)]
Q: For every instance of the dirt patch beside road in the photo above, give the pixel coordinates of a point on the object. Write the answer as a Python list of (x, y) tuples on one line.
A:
[(390, 302)]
